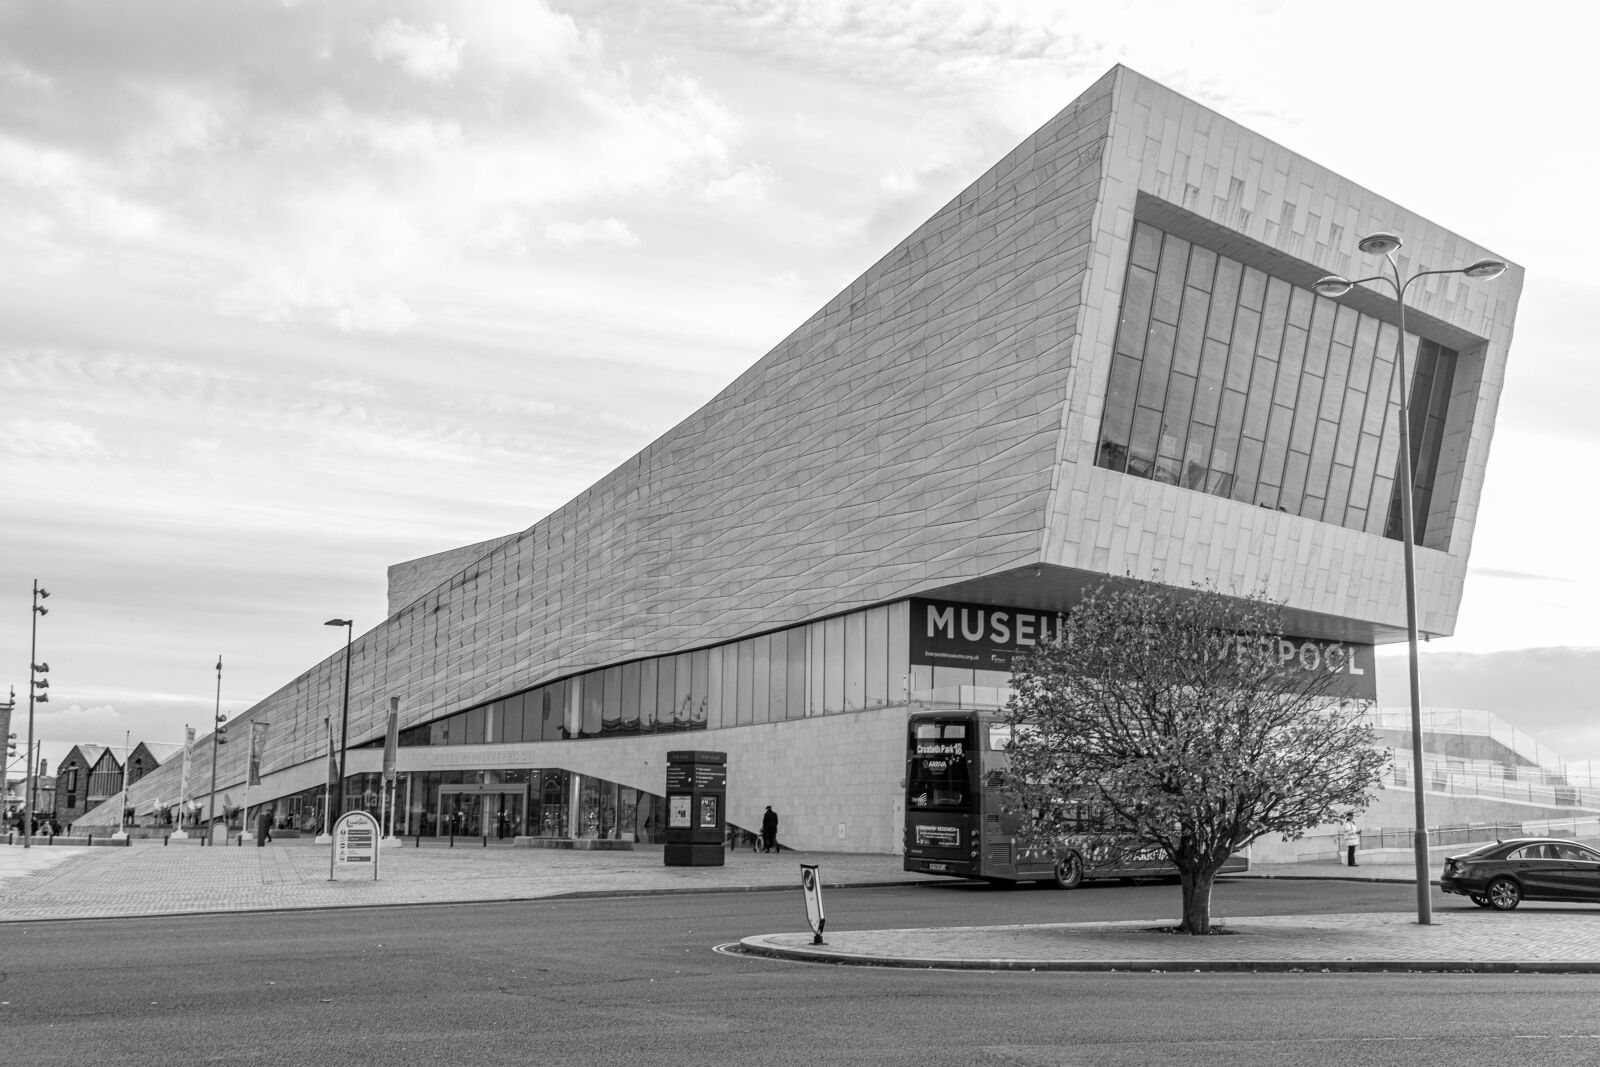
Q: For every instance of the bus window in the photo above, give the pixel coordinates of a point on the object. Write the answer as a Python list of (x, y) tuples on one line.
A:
[(939, 770)]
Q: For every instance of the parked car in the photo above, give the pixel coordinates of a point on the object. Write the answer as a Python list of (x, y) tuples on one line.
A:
[(1506, 873)]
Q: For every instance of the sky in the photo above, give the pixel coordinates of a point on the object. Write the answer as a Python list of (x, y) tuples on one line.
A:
[(293, 291)]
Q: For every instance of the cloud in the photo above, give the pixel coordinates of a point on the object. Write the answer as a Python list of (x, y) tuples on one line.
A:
[(345, 167), (280, 296), (50, 439), (430, 54), (945, 44), (1514, 575), (749, 186), (612, 233)]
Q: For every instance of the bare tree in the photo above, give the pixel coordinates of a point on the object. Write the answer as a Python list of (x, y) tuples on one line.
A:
[(1172, 721)]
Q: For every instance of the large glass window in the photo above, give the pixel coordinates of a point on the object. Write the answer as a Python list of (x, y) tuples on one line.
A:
[(593, 704), (631, 674), (795, 701), (877, 693), (648, 690), (833, 666), (1234, 383), (847, 663), (855, 661)]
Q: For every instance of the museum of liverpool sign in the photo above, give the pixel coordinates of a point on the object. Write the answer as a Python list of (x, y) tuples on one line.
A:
[(988, 637)]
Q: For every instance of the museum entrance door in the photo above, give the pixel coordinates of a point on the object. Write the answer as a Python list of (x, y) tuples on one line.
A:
[(496, 811)]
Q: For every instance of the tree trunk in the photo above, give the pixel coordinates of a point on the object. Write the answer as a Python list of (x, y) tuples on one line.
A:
[(1197, 900)]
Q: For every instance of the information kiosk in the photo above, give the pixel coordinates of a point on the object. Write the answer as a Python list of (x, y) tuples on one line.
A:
[(697, 792)]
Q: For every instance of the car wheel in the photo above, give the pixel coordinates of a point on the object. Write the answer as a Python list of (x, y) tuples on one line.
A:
[(1504, 894), (1069, 871), (1479, 899)]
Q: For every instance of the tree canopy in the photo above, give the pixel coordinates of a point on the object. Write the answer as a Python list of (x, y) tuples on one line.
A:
[(1173, 721)]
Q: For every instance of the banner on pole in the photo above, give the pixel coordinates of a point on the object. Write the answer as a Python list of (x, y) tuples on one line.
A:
[(188, 753), (391, 740), (258, 741), (333, 757)]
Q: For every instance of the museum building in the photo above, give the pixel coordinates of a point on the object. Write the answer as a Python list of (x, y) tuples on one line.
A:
[(1103, 359)]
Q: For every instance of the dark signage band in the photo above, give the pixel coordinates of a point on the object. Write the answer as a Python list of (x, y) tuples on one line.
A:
[(947, 634), (988, 637)]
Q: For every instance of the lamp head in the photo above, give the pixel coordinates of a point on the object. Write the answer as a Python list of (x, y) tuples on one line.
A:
[(1333, 285), (338, 622), (44, 594), (1485, 269), (1379, 244)]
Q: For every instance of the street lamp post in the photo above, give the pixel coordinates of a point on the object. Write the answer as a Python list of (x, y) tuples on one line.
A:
[(1386, 245), (35, 695), (8, 749), (344, 722), (218, 737)]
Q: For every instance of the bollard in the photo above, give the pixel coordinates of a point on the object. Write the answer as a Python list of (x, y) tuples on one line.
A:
[(419, 841), (91, 840), (452, 837), (167, 840), (485, 840)]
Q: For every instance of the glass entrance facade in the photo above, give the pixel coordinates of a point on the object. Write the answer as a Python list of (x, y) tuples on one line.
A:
[(498, 804)]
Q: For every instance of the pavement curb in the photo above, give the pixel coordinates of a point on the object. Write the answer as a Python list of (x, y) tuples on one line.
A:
[(756, 946)]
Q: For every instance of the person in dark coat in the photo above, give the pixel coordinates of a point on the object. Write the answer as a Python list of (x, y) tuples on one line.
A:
[(769, 830)]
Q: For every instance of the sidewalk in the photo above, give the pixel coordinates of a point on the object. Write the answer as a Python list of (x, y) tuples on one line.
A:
[(148, 878), (151, 879)]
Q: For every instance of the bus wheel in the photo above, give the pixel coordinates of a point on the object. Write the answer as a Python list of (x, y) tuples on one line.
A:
[(1069, 871)]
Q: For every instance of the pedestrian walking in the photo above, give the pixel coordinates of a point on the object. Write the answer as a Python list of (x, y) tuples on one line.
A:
[(1352, 840), (769, 830)]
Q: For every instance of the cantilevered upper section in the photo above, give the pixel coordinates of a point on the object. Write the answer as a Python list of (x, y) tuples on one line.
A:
[(1102, 358), (942, 424)]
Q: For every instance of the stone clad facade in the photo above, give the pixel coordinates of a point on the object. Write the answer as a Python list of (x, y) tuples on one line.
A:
[(931, 431)]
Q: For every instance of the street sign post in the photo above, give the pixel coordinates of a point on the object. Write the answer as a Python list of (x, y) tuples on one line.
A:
[(355, 843)]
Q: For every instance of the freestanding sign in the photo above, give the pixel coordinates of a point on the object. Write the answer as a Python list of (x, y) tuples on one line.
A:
[(355, 843), (697, 791), (812, 885)]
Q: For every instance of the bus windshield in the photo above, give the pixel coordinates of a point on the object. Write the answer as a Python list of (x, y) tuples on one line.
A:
[(939, 771)]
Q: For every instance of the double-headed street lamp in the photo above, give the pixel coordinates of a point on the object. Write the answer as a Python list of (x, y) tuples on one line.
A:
[(344, 726), (36, 695), (1385, 245)]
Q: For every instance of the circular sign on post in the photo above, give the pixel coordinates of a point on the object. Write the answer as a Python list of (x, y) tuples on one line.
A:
[(812, 886)]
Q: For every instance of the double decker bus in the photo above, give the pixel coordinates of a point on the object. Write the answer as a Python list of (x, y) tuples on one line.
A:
[(957, 822)]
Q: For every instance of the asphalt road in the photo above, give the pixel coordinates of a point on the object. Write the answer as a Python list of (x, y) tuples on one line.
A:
[(636, 981)]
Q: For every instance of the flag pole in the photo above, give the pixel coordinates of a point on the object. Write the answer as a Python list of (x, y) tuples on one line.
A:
[(391, 744), (122, 799), (180, 834), (326, 837)]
